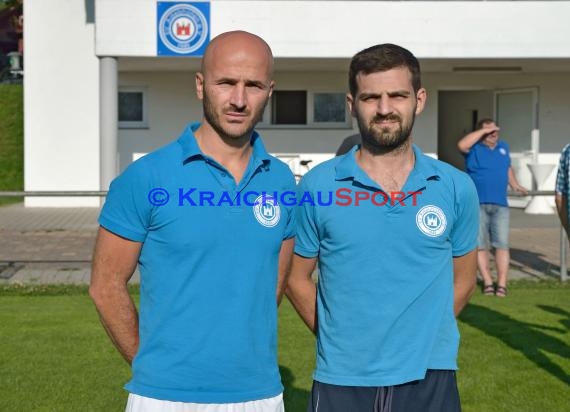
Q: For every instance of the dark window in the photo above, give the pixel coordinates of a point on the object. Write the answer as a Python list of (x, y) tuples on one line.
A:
[(329, 108), (131, 107), (289, 107)]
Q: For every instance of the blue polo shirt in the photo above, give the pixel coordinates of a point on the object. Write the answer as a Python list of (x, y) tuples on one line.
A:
[(385, 290), (489, 169), (208, 265)]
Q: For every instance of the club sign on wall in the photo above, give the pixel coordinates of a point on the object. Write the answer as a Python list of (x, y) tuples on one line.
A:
[(183, 28)]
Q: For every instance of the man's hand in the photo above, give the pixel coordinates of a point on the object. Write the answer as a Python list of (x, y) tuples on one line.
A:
[(470, 139), (488, 129), (513, 182), (521, 189)]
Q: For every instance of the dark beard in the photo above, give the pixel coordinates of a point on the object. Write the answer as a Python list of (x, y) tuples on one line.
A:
[(383, 142)]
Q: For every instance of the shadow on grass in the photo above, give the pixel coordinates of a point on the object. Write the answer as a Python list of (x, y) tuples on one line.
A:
[(295, 398), (523, 260), (521, 336), (558, 311)]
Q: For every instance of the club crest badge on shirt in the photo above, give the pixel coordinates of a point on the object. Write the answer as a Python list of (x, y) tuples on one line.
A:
[(431, 220), (266, 210)]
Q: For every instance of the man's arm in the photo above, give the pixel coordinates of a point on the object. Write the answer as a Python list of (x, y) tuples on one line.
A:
[(464, 279), (514, 183), (114, 261), (468, 141), (285, 255), (301, 290), (561, 206)]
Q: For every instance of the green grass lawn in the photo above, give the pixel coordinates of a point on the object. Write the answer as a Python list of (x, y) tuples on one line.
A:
[(11, 140), (54, 355)]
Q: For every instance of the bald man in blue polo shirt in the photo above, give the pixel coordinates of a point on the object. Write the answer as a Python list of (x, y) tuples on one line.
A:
[(212, 252), (396, 253)]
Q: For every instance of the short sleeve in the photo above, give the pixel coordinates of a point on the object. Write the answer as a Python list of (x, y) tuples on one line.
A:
[(466, 226), (127, 210), (307, 241)]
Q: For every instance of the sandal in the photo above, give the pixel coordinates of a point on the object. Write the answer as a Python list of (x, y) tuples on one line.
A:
[(488, 290), (501, 291)]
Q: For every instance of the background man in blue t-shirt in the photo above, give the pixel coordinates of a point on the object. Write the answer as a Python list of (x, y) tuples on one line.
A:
[(212, 254), (488, 162), (396, 253)]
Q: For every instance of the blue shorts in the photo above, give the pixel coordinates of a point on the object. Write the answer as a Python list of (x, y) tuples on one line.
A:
[(437, 392), (493, 226)]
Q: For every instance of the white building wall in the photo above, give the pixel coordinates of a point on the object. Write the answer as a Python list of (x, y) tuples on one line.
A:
[(62, 81), (435, 29), (61, 102), (172, 103), (553, 115)]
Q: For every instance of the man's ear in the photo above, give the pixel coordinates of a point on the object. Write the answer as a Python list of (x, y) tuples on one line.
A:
[(421, 97), (271, 86), (199, 85), (350, 103)]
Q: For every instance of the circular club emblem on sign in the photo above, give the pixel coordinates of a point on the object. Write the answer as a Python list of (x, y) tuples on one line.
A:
[(431, 220), (266, 211), (183, 28)]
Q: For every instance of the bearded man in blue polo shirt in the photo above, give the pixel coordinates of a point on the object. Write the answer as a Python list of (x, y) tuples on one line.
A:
[(397, 262), (488, 162), (212, 250)]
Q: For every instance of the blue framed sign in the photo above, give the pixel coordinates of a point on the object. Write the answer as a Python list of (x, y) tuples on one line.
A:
[(183, 28)]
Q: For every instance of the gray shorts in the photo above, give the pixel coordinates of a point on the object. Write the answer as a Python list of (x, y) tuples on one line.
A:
[(437, 392), (493, 226)]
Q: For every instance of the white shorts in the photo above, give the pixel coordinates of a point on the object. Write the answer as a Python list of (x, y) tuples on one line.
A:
[(137, 403)]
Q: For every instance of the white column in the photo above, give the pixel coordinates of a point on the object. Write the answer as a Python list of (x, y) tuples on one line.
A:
[(108, 120)]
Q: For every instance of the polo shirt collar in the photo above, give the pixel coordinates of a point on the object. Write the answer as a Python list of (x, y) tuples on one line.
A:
[(347, 167), (423, 167), (423, 170), (191, 150)]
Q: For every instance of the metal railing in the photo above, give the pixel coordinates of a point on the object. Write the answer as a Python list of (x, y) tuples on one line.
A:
[(102, 193), (96, 193), (45, 193)]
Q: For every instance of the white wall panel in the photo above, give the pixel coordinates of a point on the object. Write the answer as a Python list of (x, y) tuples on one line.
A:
[(431, 29), (61, 101), (172, 103)]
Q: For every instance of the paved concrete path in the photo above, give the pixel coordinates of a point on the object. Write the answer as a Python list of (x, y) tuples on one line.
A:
[(55, 245)]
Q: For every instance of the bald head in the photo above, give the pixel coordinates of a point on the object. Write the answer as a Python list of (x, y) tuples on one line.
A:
[(235, 84), (237, 42)]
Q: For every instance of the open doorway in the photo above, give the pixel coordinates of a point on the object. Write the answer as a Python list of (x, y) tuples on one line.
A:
[(515, 111), (458, 113)]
